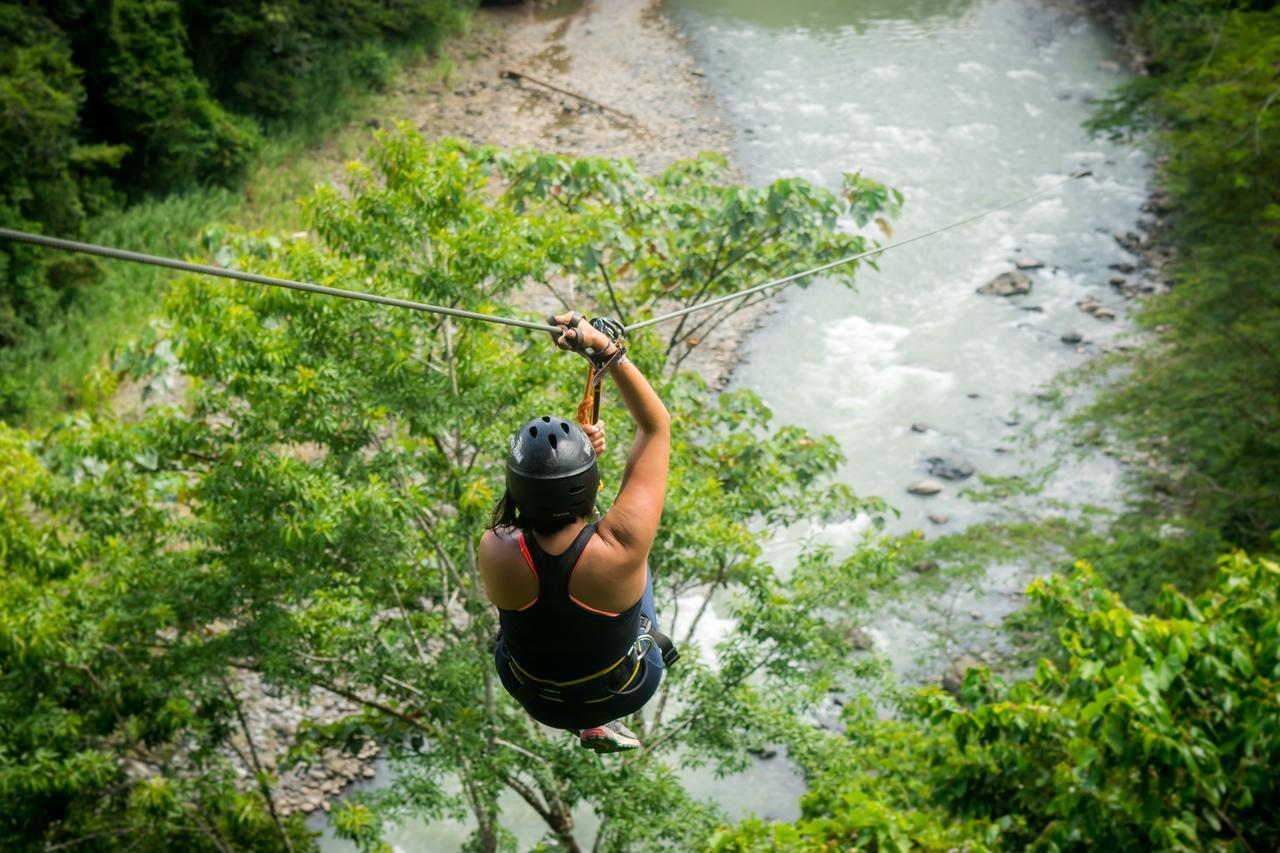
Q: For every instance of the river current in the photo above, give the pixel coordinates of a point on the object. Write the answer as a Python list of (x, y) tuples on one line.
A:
[(962, 105)]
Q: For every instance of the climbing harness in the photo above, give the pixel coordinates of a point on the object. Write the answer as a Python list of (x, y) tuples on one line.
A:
[(618, 679)]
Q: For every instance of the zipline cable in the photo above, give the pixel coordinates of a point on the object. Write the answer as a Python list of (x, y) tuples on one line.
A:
[(272, 281), (204, 269), (871, 253)]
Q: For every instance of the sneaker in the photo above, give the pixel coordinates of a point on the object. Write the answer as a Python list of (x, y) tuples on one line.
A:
[(611, 737)]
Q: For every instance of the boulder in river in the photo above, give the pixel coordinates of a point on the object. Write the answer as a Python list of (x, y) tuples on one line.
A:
[(919, 427), (950, 469), (925, 487), (1028, 263), (1013, 283), (1096, 308), (1071, 337), (939, 517), (1130, 241)]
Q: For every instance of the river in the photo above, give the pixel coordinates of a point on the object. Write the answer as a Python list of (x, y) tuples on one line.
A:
[(962, 105)]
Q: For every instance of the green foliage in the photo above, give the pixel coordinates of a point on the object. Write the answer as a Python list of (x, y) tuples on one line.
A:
[(90, 712), (284, 63), (56, 368), (309, 510), (686, 237), (40, 95), (1148, 732), (107, 100), (1203, 398), (176, 133)]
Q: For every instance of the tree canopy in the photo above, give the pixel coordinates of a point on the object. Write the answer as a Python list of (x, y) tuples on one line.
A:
[(307, 510)]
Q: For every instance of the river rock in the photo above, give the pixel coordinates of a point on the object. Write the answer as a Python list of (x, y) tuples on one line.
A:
[(860, 640), (1124, 267), (939, 517), (1013, 283), (1117, 281), (950, 469), (953, 678), (919, 427), (1096, 308), (924, 567), (1071, 337), (925, 487), (1028, 263), (1128, 240)]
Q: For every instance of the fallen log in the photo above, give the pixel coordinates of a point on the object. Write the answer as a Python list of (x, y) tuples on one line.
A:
[(512, 74)]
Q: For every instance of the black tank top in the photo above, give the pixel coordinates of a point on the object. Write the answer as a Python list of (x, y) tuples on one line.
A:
[(557, 637)]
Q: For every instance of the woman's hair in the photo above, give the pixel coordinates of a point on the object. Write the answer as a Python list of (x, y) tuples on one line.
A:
[(506, 513)]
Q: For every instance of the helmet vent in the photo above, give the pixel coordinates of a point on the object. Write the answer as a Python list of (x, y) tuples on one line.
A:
[(533, 431), (552, 438), (564, 426), (546, 419)]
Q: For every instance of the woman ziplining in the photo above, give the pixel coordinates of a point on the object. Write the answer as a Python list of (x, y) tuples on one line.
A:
[(579, 645)]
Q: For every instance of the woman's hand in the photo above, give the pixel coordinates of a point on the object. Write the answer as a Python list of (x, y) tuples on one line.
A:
[(596, 435), (578, 335)]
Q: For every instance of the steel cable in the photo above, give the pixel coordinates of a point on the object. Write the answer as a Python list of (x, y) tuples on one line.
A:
[(272, 281), (204, 269)]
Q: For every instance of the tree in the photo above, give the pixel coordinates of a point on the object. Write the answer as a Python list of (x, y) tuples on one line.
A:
[(1202, 398), (1141, 732), (310, 511)]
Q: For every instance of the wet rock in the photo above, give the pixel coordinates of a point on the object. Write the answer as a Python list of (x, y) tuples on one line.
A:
[(1117, 281), (1034, 309), (860, 640), (925, 487), (1128, 240), (1125, 268), (763, 754), (973, 395), (919, 427), (939, 517), (953, 678), (1071, 337), (1013, 283), (1028, 263), (1096, 308), (925, 567), (950, 469)]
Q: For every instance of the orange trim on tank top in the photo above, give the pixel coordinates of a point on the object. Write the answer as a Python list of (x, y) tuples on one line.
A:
[(587, 607), (528, 558)]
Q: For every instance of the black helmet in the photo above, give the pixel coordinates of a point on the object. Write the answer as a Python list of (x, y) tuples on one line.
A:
[(551, 471)]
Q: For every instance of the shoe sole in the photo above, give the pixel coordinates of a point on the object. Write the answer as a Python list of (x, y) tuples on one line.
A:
[(606, 745)]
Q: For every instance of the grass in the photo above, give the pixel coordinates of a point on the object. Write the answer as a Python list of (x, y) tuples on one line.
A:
[(55, 367)]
